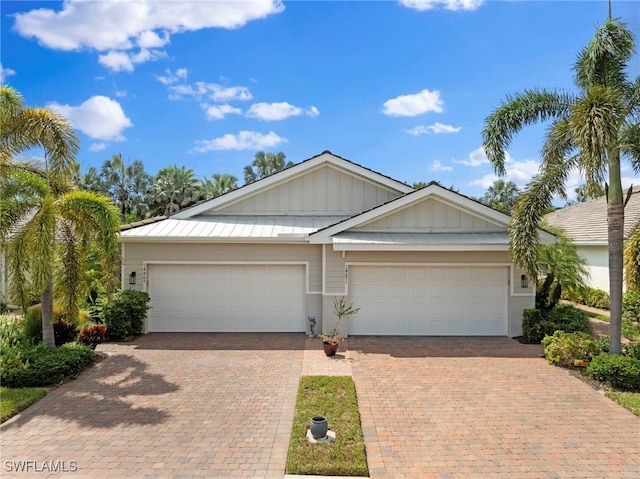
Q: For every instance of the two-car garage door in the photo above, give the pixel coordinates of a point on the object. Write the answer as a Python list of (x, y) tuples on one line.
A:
[(429, 301), (227, 297)]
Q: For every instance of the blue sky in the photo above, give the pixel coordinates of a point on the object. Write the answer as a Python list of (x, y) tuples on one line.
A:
[(401, 87)]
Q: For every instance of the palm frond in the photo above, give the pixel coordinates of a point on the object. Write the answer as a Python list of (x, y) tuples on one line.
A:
[(515, 112), (40, 235), (630, 144), (70, 286), (632, 259)]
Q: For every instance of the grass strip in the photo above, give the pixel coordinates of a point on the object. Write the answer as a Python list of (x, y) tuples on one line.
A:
[(12, 401), (629, 400), (335, 398)]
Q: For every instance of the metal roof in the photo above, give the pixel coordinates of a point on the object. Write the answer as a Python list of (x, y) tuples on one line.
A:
[(231, 227), (363, 241)]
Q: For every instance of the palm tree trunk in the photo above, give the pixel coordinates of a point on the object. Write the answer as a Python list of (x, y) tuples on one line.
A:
[(46, 300), (615, 219)]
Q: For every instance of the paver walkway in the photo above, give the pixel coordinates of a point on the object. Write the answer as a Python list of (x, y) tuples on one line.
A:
[(221, 405), (167, 405), (484, 407)]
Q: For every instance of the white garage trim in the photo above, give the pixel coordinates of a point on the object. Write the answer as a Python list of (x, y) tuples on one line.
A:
[(145, 265), (226, 296), (429, 299)]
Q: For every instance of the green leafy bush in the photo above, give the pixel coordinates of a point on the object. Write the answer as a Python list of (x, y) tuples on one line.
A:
[(537, 324), (32, 323), (632, 349), (64, 332), (10, 331), (631, 306), (562, 348), (124, 316), (594, 297), (41, 366), (621, 372)]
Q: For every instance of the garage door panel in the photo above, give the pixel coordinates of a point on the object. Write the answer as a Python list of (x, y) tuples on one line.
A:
[(227, 298), (418, 300)]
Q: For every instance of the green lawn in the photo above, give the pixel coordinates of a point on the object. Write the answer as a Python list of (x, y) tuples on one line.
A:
[(335, 398), (12, 401), (630, 330), (629, 400)]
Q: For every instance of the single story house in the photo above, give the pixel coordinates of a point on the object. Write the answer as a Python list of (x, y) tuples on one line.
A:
[(268, 256), (586, 224)]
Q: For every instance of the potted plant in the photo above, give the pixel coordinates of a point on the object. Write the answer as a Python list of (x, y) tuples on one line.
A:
[(331, 339)]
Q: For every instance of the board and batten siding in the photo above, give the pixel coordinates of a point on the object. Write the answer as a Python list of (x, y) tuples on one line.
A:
[(430, 215), (136, 254), (325, 190)]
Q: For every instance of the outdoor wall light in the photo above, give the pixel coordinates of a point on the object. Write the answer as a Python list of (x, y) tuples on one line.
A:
[(524, 281), (132, 278)]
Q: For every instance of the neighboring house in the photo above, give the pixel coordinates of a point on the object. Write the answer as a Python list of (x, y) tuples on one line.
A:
[(271, 254), (586, 224)]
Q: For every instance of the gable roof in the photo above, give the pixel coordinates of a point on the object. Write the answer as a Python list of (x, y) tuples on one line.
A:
[(324, 158), (434, 190), (586, 223)]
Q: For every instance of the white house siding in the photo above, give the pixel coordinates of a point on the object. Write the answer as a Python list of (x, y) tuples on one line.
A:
[(597, 259), (430, 215), (325, 190)]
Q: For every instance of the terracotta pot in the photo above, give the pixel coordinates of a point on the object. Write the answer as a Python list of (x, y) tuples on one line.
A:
[(330, 349)]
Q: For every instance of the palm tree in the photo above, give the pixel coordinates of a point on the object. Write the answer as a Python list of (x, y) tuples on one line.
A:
[(590, 130), (174, 188), (265, 164), (218, 185), (632, 259), (582, 195), (126, 184), (45, 223), (501, 195)]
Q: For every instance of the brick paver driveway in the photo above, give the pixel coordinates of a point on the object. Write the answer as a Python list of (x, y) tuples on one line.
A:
[(167, 405), (484, 407)]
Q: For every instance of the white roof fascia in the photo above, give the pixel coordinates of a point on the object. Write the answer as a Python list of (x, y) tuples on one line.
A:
[(296, 170), (418, 247), (451, 198), (281, 239)]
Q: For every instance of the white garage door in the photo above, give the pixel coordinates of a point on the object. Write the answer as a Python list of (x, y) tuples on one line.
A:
[(227, 298), (429, 301)]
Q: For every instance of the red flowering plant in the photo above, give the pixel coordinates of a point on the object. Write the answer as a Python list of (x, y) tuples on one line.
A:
[(92, 336)]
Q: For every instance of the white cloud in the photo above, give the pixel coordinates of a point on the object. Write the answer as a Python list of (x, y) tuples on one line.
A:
[(520, 172), (213, 91), (245, 140), (122, 61), (121, 93), (413, 105), (99, 117), (170, 78), (96, 147), (476, 158), (218, 112), (5, 73), (278, 111), (120, 25), (422, 5), (436, 128), (437, 166)]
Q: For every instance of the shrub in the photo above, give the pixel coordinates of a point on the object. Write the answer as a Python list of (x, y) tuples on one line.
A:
[(631, 306), (32, 325), (41, 366), (124, 316), (562, 348), (64, 332), (10, 331), (631, 349), (621, 372), (537, 324), (594, 297), (92, 336)]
